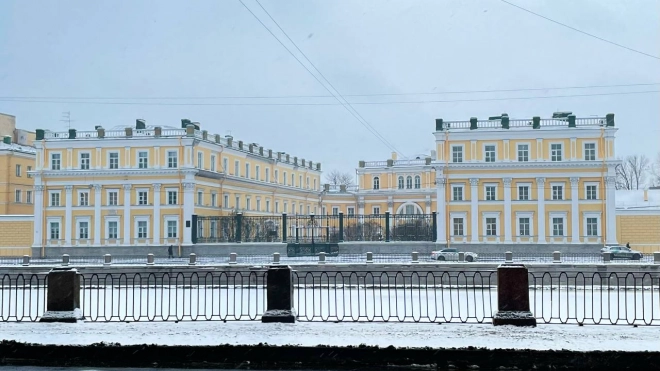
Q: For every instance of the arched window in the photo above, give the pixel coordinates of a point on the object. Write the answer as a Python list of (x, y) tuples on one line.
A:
[(418, 182), (400, 182), (409, 182), (376, 182), (409, 208)]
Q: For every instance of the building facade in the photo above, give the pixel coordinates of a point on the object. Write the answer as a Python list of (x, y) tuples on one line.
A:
[(502, 181), (16, 161), (141, 185)]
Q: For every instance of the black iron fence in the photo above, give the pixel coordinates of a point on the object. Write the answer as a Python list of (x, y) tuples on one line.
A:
[(314, 228)]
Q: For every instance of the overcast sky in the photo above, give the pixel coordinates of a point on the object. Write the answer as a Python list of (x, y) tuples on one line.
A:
[(190, 49)]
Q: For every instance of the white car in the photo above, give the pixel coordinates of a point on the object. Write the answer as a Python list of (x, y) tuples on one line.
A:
[(452, 255)]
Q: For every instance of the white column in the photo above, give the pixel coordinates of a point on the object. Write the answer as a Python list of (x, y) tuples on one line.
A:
[(610, 210), (360, 205), (97, 214), (575, 211), (428, 205), (441, 184), (127, 214), (38, 215), (474, 209), (390, 205), (188, 209), (156, 226), (540, 188), (507, 210), (68, 218)]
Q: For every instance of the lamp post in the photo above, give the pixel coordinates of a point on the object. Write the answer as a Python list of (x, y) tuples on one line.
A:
[(313, 225)]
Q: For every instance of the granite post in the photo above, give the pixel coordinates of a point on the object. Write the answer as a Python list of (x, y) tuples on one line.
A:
[(63, 296), (513, 296), (279, 293)]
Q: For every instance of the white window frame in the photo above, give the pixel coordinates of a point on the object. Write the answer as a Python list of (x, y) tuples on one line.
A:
[(82, 192), (237, 168), (166, 231), (258, 204), (401, 182), (200, 159), (276, 178), (29, 168), (80, 160), (225, 165), (561, 150), (529, 151), (584, 150), (409, 182), (137, 159), (300, 182), (18, 170), (237, 198), (376, 182), (18, 196), (137, 196), (52, 161), (247, 170), (525, 214), (350, 210), (108, 220), (277, 206), (109, 158), (199, 197), (599, 227), (83, 219), (58, 221), (267, 178), (462, 153), (225, 199), (213, 158), (314, 184), (267, 205), (463, 217), (293, 180), (486, 186), (491, 214), (335, 210), (50, 198), (172, 159), (453, 192), (248, 203), (586, 193), (561, 215), (28, 197), (167, 194), (529, 191), (375, 210), (494, 152), (257, 170), (307, 183), (417, 182), (136, 223), (552, 191), (214, 199), (284, 178), (293, 208), (107, 196)]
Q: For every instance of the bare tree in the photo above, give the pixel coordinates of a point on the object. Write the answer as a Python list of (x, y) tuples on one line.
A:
[(655, 171), (336, 177), (632, 172)]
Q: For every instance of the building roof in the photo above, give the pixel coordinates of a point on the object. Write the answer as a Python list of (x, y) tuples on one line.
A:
[(17, 148), (634, 199)]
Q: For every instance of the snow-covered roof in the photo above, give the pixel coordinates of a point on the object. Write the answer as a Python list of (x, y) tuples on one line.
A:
[(634, 199), (17, 148), (147, 127)]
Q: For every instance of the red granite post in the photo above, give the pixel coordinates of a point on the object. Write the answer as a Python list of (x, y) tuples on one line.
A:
[(513, 296)]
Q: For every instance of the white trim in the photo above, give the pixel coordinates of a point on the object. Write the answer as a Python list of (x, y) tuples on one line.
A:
[(457, 185), (137, 159), (529, 151), (107, 158), (137, 196), (50, 161), (596, 184), (107, 197), (558, 214), (562, 150), (529, 191), (513, 133), (78, 220), (167, 159), (53, 219), (89, 165), (108, 219), (451, 153), (483, 152), (136, 220), (486, 185), (16, 218), (79, 193), (491, 214), (595, 143), (524, 214), (563, 191), (402, 207), (458, 215), (599, 227)]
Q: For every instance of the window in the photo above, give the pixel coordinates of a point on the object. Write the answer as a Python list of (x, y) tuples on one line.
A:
[(351, 211), (459, 228), (314, 183), (557, 226), (28, 197), (212, 162), (418, 182), (557, 192), (172, 159), (258, 204), (523, 152), (142, 229), (55, 199), (113, 197), (489, 153), (172, 197), (293, 208), (143, 197), (267, 178), (84, 161), (247, 171), (491, 194), (17, 197), (214, 227), (113, 230), (590, 151), (268, 206), (55, 161), (409, 182), (277, 176), (248, 202), (29, 168), (54, 229), (335, 210), (293, 179), (457, 193), (214, 199), (491, 226), (83, 198), (400, 182), (113, 160), (277, 206), (237, 168), (83, 230), (172, 229), (299, 181), (523, 226), (226, 201), (592, 192), (555, 152), (200, 160), (301, 208), (284, 178), (376, 211), (18, 170), (410, 209), (523, 193), (257, 170), (307, 183), (143, 159), (225, 165), (376, 182), (457, 154), (592, 227), (200, 197), (238, 202)]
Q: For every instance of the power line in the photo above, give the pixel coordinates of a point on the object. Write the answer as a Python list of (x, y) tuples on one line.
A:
[(345, 104), (345, 95), (330, 104), (580, 31)]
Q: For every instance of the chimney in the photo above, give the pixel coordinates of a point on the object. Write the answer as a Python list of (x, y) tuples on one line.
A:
[(439, 125), (537, 122), (261, 151), (217, 138), (473, 123), (394, 156), (609, 118), (40, 134), (140, 124), (129, 132), (287, 158), (240, 144), (158, 131), (185, 123), (205, 134), (190, 130), (100, 132), (326, 187), (230, 139), (6, 139), (342, 188), (361, 164), (251, 148), (270, 153), (72, 133)]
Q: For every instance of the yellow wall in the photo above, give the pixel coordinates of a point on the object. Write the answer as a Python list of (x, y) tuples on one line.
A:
[(15, 235), (641, 231), (10, 182)]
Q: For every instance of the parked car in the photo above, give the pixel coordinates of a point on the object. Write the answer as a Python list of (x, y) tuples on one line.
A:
[(452, 255), (621, 252)]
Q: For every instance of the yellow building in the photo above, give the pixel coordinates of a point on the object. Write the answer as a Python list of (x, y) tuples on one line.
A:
[(638, 219), (141, 185), (16, 161), (502, 181)]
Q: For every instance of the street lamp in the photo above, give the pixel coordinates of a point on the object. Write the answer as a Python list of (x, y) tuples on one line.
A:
[(313, 225)]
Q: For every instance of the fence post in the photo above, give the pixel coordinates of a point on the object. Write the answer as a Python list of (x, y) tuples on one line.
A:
[(276, 258), (415, 257), (341, 226), (387, 226), (26, 260), (556, 257), (232, 258), (606, 257), (461, 256), (193, 259), (107, 259), (65, 260), (63, 296), (370, 257), (508, 257), (321, 258), (297, 237), (150, 259), (284, 230), (656, 257), (239, 227), (279, 295), (513, 296), (434, 224)]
